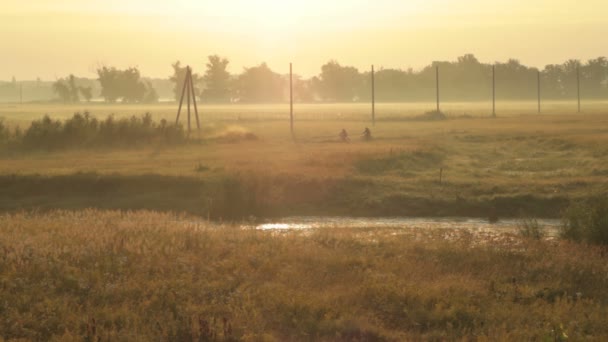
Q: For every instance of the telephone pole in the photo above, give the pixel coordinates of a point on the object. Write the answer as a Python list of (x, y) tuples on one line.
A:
[(437, 85), (373, 98), (538, 88), (494, 90), (291, 98)]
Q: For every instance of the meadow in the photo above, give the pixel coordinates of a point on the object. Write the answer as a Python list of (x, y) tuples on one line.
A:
[(245, 163), (153, 241)]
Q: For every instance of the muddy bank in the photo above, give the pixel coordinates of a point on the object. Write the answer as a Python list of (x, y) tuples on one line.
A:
[(237, 197)]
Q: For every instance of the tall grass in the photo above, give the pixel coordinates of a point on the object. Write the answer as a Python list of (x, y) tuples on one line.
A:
[(531, 228), (142, 276), (587, 220)]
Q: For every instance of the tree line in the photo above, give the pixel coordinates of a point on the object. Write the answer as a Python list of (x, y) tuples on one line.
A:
[(465, 79), (125, 86)]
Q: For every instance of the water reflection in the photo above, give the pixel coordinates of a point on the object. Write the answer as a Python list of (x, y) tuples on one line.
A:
[(311, 222)]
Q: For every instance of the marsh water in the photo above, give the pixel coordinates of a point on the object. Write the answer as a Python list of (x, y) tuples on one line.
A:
[(550, 226)]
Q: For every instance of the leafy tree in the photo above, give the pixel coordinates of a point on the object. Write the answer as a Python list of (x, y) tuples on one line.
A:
[(515, 81), (62, 90), (393, 85), (67, 90), (179, 75), (217, 80), (259, 84), (594, 78), (126, 85), (303, 90), (132, 88), (151, 95), (86, 92), (74, 97), (338, 83), (552, 81), (110, 79), (568, 77)]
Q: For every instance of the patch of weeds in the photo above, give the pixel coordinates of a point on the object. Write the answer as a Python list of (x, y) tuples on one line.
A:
[(530, 228), (402, 162)]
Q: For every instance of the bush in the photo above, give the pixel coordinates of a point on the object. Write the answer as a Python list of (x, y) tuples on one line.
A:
[(4, 133), (530, 228), (587, 221), (83, 130)]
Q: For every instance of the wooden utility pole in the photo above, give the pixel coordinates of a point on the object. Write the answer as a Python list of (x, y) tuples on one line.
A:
[(373, 97), (188, 90), (198, 124), (21, 93), (494, 90), (181, 99), (291, 98), (188, 97), (538, 88), (578, 87), (437, 85)]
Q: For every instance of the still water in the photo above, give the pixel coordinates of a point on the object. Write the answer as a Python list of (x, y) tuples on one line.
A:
[(550, 226)]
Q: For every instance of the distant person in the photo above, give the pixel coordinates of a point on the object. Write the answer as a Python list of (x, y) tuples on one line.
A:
[(367, 134), (344, 136)]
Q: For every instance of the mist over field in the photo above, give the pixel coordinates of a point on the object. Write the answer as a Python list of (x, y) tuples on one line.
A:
[(465, 79), (303, 170)]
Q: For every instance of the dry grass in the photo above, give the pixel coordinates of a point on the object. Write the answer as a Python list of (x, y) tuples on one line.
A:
[(112, 276)]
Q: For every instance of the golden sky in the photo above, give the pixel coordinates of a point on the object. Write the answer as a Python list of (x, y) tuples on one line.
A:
[(52, 38)]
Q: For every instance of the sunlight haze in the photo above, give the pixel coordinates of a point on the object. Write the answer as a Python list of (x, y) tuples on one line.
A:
[(49, 39)]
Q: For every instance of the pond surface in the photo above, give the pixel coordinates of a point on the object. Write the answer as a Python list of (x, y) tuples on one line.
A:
[(550, 226)]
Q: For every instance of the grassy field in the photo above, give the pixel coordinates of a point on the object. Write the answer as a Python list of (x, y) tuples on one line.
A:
[(517, 164), (143, 276), (24, 114)]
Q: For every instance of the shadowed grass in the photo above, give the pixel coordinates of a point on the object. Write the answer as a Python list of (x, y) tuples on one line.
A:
[(236, 197)]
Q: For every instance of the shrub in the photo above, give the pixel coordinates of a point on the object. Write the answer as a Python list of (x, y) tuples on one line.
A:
[(44, 132), (587, 221)]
